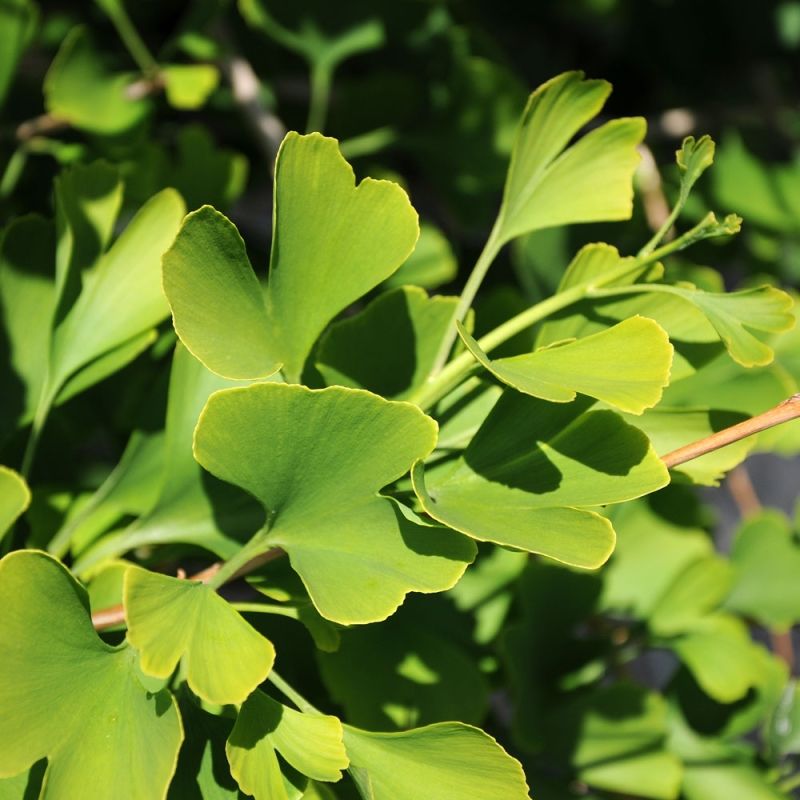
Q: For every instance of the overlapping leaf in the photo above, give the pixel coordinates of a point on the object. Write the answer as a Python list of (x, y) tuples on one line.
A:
[(80, 90), (171, 620), (458, 760), (54, 667), (317, 460), (14, 498), (333, 241), (626, 366), (389, 348), (311, 743), (528, 475)]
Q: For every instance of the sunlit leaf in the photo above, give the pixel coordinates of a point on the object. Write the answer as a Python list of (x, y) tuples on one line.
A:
[(626, 366), (317, 461), (589, 181), (333, 242), (78, 89), (15, 496), (459, 760), (390, 347), (170, 620), (188, 86), (311, 743), (528, 475), (55, 668)]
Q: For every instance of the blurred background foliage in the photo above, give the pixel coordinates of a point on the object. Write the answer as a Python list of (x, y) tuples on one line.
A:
[(645, 679)]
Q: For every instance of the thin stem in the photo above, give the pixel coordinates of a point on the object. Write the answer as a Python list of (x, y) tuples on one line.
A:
[(784, 412), (487, 256), (13, 171), (46, 399), (130, 37), (295, 696), (743, 492), (321, 78), (233, 566)]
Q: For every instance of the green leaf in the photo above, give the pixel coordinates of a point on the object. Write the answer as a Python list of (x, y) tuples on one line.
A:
[(527, 476), (431, 265), (317, 461), (402, 674), (121, 294), (18, 20), (390, 347), (721, 655), (696, 591), (458, 760), (333, 241), (311, 743), (693, 159), (170, 620), (68, 696), (766, 561), (671, 428), (78, 89), (626, 366), (188, 86), (590, 181), (189, 506), (217, 302), (15, 497), (729, 779)]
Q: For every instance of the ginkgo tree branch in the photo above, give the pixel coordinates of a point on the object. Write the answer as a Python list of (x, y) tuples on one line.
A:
[(785, 411)]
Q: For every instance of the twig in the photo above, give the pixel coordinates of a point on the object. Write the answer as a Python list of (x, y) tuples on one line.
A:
[(40, 126), (654, 201), (743, 492), (784, 412), (115, 615)]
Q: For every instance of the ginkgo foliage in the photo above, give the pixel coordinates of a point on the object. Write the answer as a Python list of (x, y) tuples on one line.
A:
[(377, 462)]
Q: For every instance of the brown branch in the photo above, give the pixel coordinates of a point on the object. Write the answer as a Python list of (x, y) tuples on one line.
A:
[(784, 412), (115, 615), (40, 126), (743, 492), (654, 201)]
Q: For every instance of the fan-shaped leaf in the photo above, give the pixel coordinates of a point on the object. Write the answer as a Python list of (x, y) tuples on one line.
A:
[(171, 619), (532, 468), (15, 497), (56, 669), (311, 743), (317, 461), (444, 761), (626, 366)]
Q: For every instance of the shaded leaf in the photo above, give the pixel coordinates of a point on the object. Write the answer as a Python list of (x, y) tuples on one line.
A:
[(55, 668), (317, 461), (18, 20), (390, 347), (766, 562), (431, 265), (170, 620), (311, 743), (532, 468), (626, 366), (78, 89), (458, 760)]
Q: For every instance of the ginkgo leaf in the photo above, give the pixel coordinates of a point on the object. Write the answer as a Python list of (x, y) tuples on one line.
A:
[(693, 159), (311, 743), (187, 86), (78, 89), (15, 497), (170, 620), (626, 366), (18, 20), (432, 263), (317, 460), (333, 241), (56, 668), (589, 181), (389, 348), (445, 761), (766, 558), (529, 473)]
